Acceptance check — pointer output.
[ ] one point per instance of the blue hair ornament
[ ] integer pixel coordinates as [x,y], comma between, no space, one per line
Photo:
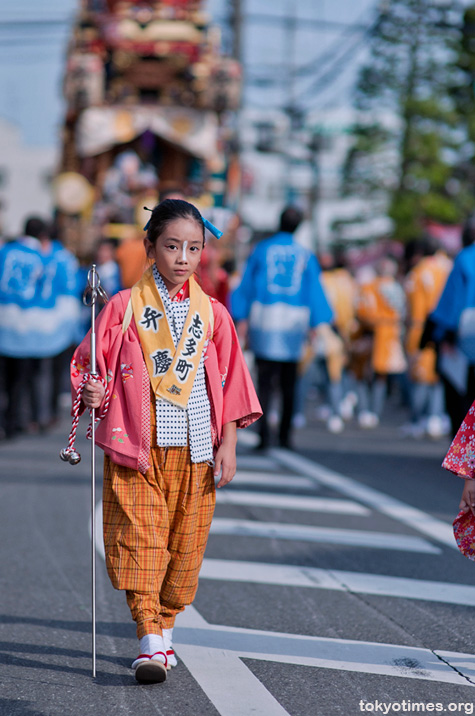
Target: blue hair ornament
[145,228]
[212,228]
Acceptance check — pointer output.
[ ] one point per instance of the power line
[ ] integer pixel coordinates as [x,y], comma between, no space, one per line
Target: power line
[38,22]
[323,81]
[307,22]
[4,41]
[321,60]
[319,64]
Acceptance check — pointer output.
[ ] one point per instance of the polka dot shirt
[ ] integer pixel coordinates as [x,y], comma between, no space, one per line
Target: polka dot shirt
[177,426]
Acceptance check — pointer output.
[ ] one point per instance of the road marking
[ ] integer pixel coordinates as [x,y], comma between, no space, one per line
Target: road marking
[227,682]
[213,656]
[248,438]
[329,535]
[326,653]
[244,477]
[338,580]
[258,462]
[411,516]
[290,502]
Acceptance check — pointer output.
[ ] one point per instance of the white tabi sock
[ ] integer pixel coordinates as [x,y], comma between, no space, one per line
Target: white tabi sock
[150,644]
[168,640]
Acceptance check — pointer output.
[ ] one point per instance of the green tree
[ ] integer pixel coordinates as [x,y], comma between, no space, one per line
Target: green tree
[463,91]
[408,155]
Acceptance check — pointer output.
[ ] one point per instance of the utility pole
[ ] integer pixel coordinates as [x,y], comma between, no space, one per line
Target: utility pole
[236,29]
[236,23]
[289,101]
[315,147]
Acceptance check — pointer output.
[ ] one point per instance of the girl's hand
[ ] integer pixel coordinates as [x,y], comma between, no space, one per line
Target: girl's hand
[225,461]
[93,394]
[468,497]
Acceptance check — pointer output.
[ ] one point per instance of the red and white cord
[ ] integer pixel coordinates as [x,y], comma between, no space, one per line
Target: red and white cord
[77,404]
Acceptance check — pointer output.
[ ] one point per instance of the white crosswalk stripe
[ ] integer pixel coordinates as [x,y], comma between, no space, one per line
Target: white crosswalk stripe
[259,462]
[256,479]
[289,502]
[338,580]
[343,654]
[414,518]
[246,477]
[329,535]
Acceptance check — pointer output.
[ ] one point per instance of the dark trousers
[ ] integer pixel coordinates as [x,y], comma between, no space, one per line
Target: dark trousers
[21,393]
[281,377]
[457,405]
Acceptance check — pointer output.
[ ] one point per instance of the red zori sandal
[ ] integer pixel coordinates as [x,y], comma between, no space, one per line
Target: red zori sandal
[151,669]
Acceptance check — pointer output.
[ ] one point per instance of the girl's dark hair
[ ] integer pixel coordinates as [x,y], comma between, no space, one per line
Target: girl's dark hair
[169,210]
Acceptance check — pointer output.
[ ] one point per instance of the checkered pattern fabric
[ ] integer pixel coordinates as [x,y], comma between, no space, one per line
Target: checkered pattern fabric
[156,527]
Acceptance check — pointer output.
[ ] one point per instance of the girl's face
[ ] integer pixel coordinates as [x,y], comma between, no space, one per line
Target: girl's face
[177,252]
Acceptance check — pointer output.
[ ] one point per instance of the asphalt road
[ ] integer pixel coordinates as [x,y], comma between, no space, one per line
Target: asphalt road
[331,586]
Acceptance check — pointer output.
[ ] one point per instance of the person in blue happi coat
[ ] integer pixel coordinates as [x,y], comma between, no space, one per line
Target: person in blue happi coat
[278,302]
[39,310]
[452,327]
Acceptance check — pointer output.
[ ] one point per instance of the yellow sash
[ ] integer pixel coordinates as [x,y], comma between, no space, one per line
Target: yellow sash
[172,370]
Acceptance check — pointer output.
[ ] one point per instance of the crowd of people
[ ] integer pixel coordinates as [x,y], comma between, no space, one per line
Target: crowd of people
[312,326]
[346,335]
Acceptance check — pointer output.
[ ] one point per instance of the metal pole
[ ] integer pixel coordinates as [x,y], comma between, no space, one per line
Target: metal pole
[93,283]
[91,294]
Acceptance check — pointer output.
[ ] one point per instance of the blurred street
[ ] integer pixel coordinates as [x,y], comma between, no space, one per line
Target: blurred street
[331,583]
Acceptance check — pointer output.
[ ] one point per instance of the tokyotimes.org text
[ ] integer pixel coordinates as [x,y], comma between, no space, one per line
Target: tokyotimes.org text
[413,707]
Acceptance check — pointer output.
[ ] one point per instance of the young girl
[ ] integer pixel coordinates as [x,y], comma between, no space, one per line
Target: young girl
[178,389]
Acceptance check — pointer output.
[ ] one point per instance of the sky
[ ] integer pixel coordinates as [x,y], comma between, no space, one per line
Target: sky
[324,47]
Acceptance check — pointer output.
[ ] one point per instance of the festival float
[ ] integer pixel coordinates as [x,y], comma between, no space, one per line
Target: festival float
[149,106]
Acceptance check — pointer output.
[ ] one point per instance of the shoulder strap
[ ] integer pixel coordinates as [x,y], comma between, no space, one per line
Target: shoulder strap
[211,320]
[127,316]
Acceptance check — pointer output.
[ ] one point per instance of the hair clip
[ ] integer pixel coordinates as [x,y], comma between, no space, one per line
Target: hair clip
[145,228]
[212,228]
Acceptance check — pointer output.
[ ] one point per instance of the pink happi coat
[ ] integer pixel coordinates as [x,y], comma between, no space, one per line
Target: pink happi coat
[124,433]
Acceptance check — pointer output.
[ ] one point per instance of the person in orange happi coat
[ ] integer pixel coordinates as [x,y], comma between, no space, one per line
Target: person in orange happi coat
[381,308]
[340,289]
[424,285]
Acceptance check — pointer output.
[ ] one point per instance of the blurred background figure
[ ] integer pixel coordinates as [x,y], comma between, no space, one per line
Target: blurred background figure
[124,183]
[107,266]
[452,327]
[424,285]
[109,274]
[279,300]
[381,310]
[212,277]
[340,289]
[38,325]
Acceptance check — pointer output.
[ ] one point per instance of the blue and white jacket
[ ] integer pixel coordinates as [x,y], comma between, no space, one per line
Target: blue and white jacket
[459,292]
[39,306]
[281,296]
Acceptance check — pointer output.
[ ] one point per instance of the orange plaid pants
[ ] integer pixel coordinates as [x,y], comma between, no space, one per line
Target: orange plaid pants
[155,531]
